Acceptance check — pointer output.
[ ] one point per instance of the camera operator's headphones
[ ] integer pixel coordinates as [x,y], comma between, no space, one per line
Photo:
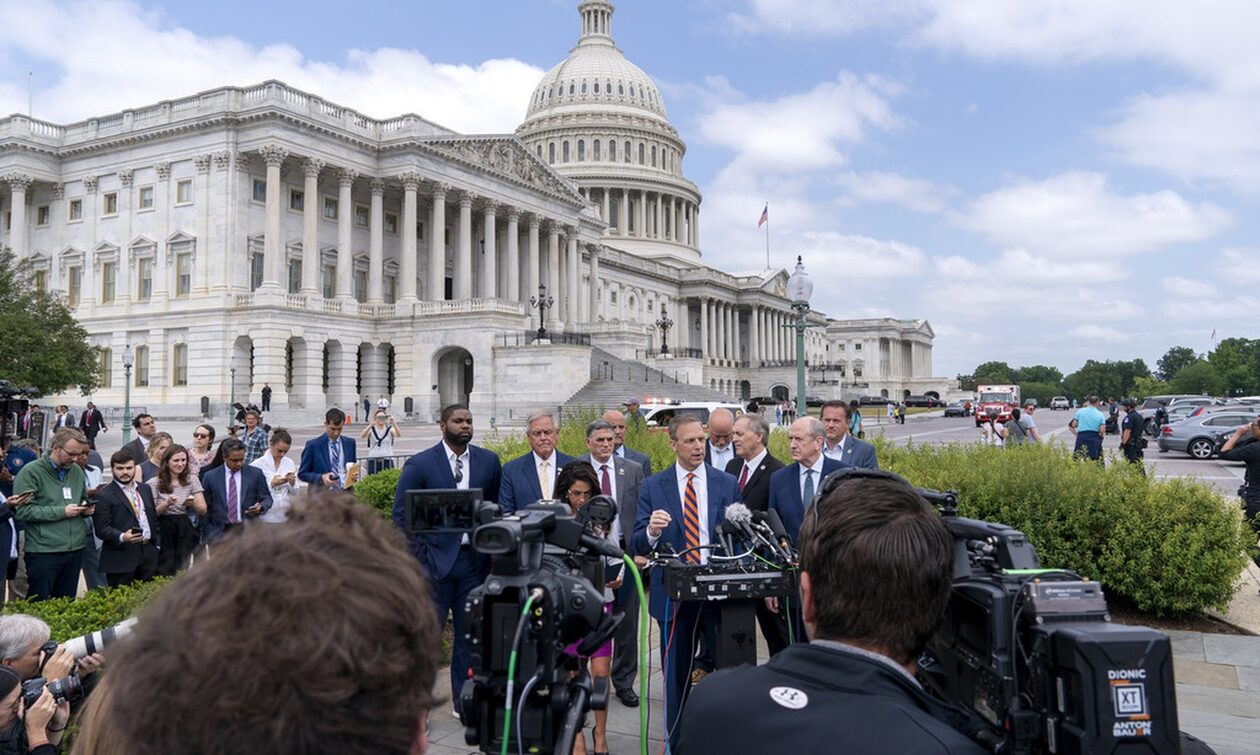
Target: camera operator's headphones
[840,476]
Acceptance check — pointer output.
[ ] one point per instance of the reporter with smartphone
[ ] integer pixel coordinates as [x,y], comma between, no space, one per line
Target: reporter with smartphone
[55,530]
[126,521]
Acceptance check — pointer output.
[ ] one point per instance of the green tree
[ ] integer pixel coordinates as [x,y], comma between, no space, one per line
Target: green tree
[1039,373]
[43,345]
[1043,392]
[1174,360]
[1237,361]
[1106,379]
[994,372]
[1200,377]
[966,383]
[1145,387]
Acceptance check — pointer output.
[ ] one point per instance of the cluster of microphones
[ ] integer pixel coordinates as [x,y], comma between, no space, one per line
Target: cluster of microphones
[755,531]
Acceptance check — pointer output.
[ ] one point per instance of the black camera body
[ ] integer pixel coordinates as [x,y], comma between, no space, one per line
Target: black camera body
[1033,653]
[65,689]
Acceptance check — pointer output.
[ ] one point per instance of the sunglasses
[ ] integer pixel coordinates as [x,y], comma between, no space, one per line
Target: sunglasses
[201,435]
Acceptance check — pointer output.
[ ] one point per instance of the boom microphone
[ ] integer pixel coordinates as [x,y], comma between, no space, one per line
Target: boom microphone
[769,520]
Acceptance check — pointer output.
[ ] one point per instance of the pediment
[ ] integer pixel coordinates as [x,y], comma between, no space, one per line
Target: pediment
[506,157]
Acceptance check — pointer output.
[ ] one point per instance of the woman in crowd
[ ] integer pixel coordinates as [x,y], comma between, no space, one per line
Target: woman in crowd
[38,730]
[177,496]
[202,450]
[576,484]
[281,474]
[157,447]
[380,439]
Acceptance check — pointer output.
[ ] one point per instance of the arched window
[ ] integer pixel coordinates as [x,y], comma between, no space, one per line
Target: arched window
[641,152]
[653,155]
[571,88]
[564,150]
[612,150]
[595,144]
[581,150]
[608,86]
[621,89]
[597,87]
[583,86]
[627,150]
[551,153]
[632,90]
[539,151]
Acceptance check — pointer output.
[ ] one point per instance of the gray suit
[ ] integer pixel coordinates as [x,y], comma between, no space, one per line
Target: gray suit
[629,478]
[643,459]
[856,453]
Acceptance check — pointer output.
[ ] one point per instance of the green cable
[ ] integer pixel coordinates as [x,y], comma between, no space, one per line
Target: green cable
[644,671]
[507,711]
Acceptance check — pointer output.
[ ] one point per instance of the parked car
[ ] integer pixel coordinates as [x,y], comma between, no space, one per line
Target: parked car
[1201,436]
[659,415]
[928,401]
[813,401]
[873,400]
[955,409]
[1060,402]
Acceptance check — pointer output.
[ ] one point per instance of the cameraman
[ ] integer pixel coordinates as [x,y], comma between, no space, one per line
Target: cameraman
[1244,446]
[22,640]
[38,730]
[875,580]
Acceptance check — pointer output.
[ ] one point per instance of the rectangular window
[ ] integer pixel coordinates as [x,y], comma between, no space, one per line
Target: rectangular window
[109,203]
[145,199]
[857,347]
[144,279]
[329,281]
[260,190]
[109,282]
[142,367]
[105,361]
[74,284]
[360,285]
[255,272]
[391,289]
[41,280]
[74,211]
[295,276]
[183,191]
[179,365]
[183,274]
[297,199]
[361,216]
[42,215]
[420,229]
[330,208]
[391,223]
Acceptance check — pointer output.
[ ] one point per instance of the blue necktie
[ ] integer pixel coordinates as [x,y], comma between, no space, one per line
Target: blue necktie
[808,494]
[335,449]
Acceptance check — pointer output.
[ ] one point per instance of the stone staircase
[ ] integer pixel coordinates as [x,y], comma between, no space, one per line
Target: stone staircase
[613,380]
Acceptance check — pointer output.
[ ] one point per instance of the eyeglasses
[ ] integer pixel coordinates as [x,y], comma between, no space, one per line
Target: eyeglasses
[578,494]
[201,435]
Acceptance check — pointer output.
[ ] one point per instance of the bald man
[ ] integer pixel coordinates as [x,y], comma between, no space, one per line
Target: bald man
[720,451]
[618,422]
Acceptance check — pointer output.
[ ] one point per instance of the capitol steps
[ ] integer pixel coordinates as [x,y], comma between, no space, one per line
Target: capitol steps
[613,380]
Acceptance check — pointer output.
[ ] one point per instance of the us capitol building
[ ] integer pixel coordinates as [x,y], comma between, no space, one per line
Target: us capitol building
[263,234]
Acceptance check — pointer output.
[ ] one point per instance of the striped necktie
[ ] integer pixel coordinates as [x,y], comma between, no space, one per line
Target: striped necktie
[691,521]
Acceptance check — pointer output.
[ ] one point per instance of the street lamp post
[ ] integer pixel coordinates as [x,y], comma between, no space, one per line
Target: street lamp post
[664,323]
[232,391]
[799,289]
[128,360]
[542,303]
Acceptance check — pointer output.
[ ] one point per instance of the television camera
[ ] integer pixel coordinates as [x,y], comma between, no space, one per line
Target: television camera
[13,402]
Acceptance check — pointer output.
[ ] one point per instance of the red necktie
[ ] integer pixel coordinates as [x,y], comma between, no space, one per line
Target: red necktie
[605,485]
[691,521]
[743,478]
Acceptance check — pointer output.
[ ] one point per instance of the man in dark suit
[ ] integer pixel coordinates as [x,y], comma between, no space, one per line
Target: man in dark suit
[63,418]
[621,480]
[792,491]
[145,427]
[618,422]
[452,566]
[531,477]
[324,459]
[126,521]
[679,511]
[92,422]
[752,468]
[266,397]
[719,452]
[234,493]
[840,443]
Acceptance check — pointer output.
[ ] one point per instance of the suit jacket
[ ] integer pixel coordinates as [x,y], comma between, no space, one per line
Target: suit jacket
[756,492]
[431,470]
[858,453]
[708,453]
[113,517]
[643,459]
[660,492]
[136,449]
[785,494]
[63,420]
[7,533]
[315,464]
[628,483]
[254,489]
[519,485]
[91,421]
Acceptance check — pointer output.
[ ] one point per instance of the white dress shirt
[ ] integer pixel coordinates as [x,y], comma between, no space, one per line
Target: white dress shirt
[132,494]
[817,467]
[701,485]
[718,457]
[835,452]
[751,466]
[550,492]
[461,482]
[280,494]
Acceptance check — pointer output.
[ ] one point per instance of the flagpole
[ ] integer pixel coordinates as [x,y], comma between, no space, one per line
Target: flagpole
[767,235]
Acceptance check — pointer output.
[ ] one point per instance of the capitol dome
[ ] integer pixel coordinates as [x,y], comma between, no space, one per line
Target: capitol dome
[600,121]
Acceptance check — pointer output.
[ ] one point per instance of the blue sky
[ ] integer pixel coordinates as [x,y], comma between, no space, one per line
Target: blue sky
[1045,182]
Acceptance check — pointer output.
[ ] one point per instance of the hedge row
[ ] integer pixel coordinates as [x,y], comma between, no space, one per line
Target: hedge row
[69,618]
[1168,546]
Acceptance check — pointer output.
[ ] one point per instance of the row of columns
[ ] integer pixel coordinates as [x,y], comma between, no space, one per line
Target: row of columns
[770,335]
[657,215]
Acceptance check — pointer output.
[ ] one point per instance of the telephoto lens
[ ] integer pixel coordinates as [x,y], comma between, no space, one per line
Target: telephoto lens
[95,642]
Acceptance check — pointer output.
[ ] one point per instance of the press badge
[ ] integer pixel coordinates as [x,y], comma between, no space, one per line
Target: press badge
[66,493]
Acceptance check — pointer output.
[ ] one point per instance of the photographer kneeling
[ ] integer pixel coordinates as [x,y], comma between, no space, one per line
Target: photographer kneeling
[36,730]
[875,580]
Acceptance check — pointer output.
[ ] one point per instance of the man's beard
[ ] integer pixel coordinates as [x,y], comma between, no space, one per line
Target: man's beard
[457,439]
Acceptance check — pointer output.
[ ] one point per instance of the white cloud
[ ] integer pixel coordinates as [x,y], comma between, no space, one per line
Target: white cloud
[1188,288]
[821,16]
[1098,333]
[882,186]
[114,55]
[1075,216]
[1239,265]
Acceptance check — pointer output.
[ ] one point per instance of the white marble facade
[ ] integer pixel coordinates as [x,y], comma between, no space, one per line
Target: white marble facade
[266,231]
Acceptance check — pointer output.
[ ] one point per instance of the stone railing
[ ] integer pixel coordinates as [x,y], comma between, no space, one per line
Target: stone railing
[469,306]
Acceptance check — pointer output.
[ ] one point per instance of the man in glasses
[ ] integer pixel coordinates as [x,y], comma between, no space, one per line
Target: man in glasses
[449,561]
[875,580]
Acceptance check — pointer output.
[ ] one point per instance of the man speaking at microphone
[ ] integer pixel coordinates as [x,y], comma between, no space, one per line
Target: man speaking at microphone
[875,563]
[678,511]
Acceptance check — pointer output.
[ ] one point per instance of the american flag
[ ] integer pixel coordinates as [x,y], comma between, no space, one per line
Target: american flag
[765,216]
[1213,334]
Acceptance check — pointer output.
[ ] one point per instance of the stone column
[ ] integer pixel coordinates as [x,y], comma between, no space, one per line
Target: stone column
[553,273]
[754,334]
[88,292]
[705,350]
[312,209]
[437,243]
[719,338]
[201,265]
[490,265]
[273,245]
[604,217]
[695,226]
[125,282]
[376,244]
[571,292]
[656,212]
[345,239]
[532,273]
[463,252]
[308,369]
[736,351]
[408,262]
[682,330]
[513,262]
[375,376]
[57,213]
[161,208]
[641,214]
[623,213]
[592,299]
[18,184]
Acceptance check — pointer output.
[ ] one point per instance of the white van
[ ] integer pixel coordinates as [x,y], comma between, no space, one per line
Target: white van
[659,415]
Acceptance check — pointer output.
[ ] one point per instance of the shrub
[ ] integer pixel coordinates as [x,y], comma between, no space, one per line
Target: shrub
[377,490]
[69,618]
